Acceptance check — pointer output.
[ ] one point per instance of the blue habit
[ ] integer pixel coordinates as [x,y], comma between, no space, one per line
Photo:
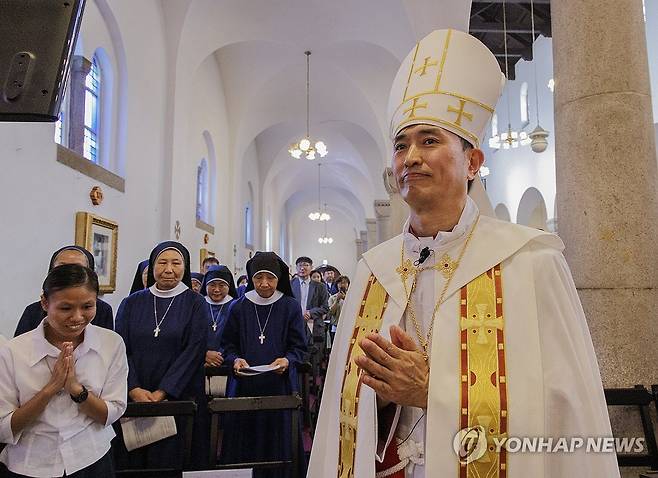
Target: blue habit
[220,315]
[263,436]
[172,362]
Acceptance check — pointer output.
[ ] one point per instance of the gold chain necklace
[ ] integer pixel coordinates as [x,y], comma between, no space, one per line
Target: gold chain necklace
[448,267]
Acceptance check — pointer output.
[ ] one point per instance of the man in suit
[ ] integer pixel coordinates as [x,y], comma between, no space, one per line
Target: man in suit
[312,297]
[330,274]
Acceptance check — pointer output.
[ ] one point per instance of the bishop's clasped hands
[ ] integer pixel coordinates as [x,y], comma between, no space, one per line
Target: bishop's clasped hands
[396,370]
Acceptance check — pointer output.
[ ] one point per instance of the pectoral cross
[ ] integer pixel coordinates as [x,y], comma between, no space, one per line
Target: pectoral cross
[156,331]
[460,112]
[214,327]
[262,338]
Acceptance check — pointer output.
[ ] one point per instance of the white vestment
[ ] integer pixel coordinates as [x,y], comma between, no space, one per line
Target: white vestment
[553,382]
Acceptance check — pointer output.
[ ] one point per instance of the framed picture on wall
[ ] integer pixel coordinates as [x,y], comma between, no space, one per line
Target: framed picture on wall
[100,236]
[203,254]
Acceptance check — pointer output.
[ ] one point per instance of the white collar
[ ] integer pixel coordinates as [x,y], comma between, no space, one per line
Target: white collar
[443,238]
[42,348]
[226,299]
[307,280]
[253,296]
[179,289]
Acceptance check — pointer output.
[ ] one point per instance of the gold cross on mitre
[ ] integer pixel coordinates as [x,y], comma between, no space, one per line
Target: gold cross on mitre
[422,70]
[460,112]
[414,106]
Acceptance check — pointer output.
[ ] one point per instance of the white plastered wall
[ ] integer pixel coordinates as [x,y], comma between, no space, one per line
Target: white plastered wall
[40,196]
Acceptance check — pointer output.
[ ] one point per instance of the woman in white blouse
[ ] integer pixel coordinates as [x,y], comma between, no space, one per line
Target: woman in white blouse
[62,385]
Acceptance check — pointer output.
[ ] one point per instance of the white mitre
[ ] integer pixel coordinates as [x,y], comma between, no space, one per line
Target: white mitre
[452,80]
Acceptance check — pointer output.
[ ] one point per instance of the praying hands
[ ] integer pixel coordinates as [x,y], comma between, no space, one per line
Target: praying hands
[395,370]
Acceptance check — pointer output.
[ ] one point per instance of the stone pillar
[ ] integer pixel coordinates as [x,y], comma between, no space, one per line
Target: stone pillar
[80,68]
[359,248]
[371,225]
[383,215]
[606,180]
[364,237]
[399,208]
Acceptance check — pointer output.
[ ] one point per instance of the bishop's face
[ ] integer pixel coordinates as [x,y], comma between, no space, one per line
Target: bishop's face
[431,166]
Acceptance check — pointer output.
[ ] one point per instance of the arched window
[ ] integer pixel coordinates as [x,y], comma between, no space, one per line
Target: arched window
[62,123]
[202,191]
[248,230]
[268,236]
[249,219]
[524,105]
[92,111]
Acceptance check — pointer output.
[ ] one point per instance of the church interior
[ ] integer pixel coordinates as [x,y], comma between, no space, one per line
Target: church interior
[184,120]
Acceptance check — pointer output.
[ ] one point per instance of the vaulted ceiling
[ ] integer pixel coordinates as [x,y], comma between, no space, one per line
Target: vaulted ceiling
[356,46]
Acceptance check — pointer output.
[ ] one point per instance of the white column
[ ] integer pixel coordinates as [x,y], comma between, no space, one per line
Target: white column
[371,225]
[383,215]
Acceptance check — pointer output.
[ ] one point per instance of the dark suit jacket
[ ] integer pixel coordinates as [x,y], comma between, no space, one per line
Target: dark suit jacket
[316,303]
[34,314]
[333,289]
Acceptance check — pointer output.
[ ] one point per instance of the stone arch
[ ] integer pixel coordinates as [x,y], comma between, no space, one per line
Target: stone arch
[502,212]
[212,177]
[532,209]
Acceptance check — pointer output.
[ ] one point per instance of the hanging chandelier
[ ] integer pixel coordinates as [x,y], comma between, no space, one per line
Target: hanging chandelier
[510,138]
[320,214]
[538,136]
[305,146]
[326,239]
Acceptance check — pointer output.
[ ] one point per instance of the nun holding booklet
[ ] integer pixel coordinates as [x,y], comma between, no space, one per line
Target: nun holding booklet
[264,328]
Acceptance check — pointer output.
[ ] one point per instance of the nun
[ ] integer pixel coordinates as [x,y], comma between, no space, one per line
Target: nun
[219,290]
[141,276]
[164,328]
[265,327]
[197,281]
[242,285]
[34,313]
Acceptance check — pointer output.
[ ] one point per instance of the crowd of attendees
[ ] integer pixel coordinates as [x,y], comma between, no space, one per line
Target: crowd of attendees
[67,376]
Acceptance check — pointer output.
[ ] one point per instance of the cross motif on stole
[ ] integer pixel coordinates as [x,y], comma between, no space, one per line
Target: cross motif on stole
[483,391]
[422,70]
[460,112]
[369,320]
[414,106]
[483,322]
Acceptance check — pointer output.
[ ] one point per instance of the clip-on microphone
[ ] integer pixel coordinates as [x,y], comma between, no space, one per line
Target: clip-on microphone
[425,252]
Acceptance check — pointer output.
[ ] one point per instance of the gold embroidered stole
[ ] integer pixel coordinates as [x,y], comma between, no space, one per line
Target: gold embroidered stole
[483,377]
[369,320]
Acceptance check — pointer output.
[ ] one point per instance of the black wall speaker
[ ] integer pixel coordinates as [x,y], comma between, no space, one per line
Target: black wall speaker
[37,40]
